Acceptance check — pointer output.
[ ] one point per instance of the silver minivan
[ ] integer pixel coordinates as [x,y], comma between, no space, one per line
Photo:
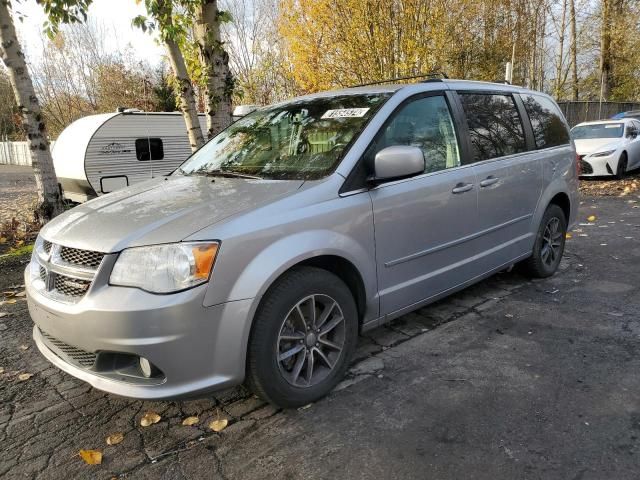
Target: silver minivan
[263,257]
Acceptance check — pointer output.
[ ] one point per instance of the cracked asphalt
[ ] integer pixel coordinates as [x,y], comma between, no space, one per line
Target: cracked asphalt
[510,378]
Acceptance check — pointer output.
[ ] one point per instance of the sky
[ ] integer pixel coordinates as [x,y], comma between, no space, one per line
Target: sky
[113,14]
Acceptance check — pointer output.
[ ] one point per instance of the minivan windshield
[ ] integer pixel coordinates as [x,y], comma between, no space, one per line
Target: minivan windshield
[598,130]
[302,139]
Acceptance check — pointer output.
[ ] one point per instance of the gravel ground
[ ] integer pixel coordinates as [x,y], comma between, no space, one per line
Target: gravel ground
[510,378]
[17,186]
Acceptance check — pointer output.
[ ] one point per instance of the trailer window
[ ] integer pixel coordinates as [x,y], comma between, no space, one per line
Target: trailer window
[149,149]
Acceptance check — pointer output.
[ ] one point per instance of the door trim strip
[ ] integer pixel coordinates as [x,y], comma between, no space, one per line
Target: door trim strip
[453,243]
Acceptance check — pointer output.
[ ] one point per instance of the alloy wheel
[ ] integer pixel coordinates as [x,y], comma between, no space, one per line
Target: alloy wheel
[311,340]
[551,242]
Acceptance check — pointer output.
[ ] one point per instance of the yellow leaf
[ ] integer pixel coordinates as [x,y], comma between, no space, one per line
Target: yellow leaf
[190,421]
[25,376]
[591,218]
[10,302]
[219,425]
[1,370]
[92,457]
[115,438]
[3,240]
[149,418]
[568,236]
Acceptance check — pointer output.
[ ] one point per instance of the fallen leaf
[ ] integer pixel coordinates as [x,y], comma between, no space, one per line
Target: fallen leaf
[24,347]
[3,314]
[568,236]
[9,302]
[149,418]
[187,422]
[25,376]
[304,407]
[92,457]
[1,370]
[3,240]
[21,294]
[219,425]
[591,218]
[115,438]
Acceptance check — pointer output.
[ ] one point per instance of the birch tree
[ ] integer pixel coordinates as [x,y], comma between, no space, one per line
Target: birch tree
[58,11]
[171,31]
[214,62]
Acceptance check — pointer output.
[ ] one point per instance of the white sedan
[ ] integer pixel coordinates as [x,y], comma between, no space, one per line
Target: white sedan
[607,147]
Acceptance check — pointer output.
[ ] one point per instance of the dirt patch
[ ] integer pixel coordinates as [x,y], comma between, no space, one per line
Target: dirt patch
[610,187]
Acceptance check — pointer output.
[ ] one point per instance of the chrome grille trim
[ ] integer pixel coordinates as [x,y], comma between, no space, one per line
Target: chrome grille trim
[77,355]
[67,272]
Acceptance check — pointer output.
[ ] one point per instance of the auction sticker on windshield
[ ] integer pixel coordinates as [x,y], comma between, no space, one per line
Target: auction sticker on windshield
[345,113]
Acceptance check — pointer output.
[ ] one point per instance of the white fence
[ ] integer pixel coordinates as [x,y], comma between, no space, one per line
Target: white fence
[15,153]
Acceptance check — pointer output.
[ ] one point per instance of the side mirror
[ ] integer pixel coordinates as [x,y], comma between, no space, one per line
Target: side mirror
[632,132]
[397,162]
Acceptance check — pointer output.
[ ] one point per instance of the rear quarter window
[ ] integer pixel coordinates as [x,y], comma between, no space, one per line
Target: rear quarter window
[549,129]
[495,127]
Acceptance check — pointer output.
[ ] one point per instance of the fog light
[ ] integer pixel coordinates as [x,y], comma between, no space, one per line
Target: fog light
[145,366]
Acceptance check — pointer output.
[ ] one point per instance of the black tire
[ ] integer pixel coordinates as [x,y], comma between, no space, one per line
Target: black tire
[274,379]
[544,260]
[623,162]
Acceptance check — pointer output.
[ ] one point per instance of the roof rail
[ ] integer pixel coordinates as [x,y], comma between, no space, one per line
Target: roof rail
[506,82]
[434,76]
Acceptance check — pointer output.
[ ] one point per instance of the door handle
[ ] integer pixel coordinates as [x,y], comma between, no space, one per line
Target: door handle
[462,187]
[489,181]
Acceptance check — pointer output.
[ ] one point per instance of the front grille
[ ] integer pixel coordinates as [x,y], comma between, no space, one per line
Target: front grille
[585,167]
[70,287]
[82,357]
[84,258]
[67,272]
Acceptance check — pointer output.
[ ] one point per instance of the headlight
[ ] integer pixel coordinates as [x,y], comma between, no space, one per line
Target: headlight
[602,154]
[165,268]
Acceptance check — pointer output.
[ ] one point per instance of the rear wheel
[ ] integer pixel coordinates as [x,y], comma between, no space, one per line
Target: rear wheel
[549,244]
[621,171]
[303,337]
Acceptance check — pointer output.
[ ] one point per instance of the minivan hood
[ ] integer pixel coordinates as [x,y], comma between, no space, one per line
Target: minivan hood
[591,145]
[161,210]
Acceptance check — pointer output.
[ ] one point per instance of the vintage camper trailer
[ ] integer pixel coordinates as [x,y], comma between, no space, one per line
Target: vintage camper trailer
[98,154]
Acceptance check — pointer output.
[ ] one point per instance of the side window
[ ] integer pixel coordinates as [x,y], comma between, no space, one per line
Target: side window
[425,123]
[495,127]
[549,130]
[149,149]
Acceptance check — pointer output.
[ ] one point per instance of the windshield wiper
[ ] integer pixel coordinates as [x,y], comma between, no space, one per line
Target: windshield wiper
[226,174]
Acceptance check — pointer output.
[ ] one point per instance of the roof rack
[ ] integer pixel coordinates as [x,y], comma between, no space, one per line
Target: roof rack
[434,76]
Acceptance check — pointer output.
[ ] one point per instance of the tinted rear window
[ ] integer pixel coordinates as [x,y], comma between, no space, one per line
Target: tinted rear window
[495,128]
[549,130]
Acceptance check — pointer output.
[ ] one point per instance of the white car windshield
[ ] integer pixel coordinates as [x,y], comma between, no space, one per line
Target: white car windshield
[303,139]
[598,130]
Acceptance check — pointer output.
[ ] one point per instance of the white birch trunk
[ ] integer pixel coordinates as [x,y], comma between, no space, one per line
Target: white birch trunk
[49,198]
[215,62]
[186,94]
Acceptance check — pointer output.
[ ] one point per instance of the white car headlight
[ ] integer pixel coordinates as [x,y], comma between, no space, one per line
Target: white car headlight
[602,154]
[165,268]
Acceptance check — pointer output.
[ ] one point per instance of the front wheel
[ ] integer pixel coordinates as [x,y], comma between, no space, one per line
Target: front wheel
[303,337]
[621,171]
[549,245]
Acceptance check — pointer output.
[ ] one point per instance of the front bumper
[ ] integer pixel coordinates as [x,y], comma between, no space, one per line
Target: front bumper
[599,166]
[196,348]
